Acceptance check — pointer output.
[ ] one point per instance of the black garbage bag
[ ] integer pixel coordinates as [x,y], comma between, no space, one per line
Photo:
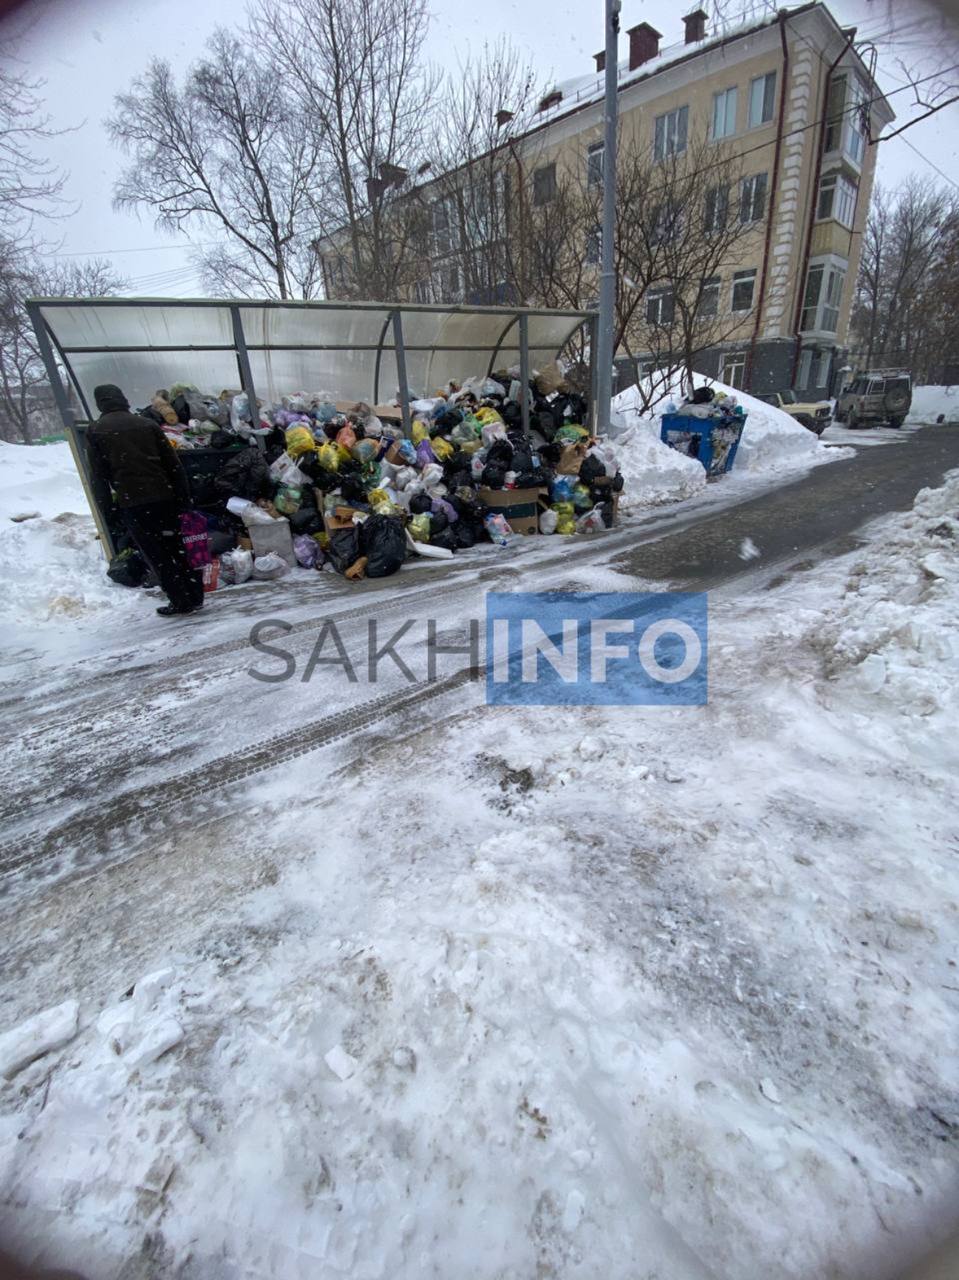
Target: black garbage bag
[494,475]
[384,544]
[522,459]
[181,408]
[274,444]
[221,541]
[322,479]
[550,454]
[500,451]
[617,482]
[128,569]
[353,490]
[223,440]
[444,422]
[591,470]
[245,475]
[702,395]
[606,511]
[533,478]
[544,422]
[438,522]
[420,503]
[464,532]
[344,548]
[512,414]
[445,538]
[576,408]
[306,520]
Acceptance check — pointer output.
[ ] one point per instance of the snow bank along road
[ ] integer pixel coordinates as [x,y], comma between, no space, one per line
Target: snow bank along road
[455,991]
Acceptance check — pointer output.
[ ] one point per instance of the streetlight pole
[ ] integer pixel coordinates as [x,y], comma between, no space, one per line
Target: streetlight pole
[605,354]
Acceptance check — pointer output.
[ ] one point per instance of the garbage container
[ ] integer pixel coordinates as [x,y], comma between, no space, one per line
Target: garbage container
[711,441]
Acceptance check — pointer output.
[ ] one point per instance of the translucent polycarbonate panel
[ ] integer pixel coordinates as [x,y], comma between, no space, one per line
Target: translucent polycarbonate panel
[416,371]
[140,374]
[138,325]
[347,375]
[293,326]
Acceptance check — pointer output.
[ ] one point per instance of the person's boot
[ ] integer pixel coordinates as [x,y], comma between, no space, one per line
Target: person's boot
[173,611]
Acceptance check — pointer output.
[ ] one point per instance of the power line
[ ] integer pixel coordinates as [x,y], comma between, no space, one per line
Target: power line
[945,177]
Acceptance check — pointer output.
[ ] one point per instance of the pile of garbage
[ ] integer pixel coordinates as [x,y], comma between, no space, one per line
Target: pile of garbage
[313,482]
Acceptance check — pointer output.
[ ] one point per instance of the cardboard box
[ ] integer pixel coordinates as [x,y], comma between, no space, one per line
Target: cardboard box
[341,518]
[521,507]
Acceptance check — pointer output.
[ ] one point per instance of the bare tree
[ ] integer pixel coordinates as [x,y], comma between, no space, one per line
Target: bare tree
[360,70]
[228,153]
[26,403]
[29,185]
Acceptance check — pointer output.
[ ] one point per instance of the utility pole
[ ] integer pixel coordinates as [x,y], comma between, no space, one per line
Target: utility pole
[607,280]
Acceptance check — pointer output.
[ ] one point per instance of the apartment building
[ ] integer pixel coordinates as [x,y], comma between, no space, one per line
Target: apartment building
[791,103]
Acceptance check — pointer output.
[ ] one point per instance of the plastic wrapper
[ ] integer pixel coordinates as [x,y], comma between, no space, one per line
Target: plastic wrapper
[270,566]
[346,437]
[240,413]
[498,529]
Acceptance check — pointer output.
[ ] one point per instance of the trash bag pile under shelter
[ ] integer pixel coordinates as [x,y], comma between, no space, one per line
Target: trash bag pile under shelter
[314,483]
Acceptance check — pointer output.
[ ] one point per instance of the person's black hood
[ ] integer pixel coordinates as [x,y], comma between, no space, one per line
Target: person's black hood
[110,399]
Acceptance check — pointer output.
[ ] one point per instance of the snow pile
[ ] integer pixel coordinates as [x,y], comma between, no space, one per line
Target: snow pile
[51,564]
[929,402]
[896,634]
[41,479]
[772,441]
[652,471]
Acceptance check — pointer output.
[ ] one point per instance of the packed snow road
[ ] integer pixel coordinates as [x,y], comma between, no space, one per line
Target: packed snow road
[426,988]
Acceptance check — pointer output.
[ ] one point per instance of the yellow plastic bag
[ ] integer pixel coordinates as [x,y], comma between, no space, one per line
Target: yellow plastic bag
[299,440]
[330,456]
[441,448]
[486,416]
[420,431]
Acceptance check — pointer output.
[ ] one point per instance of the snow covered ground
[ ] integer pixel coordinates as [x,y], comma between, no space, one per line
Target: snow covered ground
[605,993]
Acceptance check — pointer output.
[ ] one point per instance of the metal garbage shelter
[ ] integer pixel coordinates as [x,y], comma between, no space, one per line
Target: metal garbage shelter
[357,350]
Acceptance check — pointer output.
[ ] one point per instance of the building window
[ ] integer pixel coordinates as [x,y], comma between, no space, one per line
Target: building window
[823,298]
[709,298]
[724,113]
[837,199]
[733,369]
[443,225]
[667,223]
[594,164]
[659,307]
[847,116]
[594,246]
[671,130]
[752,198]
[744,285]
[544,184]
[717,209]
[805,369]
[762,99]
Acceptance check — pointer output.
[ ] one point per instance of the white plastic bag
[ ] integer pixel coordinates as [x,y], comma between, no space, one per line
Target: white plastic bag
[236,566]
[270,566]
[591,522]
[285,470]
[548,521]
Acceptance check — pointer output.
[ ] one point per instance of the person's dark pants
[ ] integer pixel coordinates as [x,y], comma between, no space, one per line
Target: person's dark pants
[155,528]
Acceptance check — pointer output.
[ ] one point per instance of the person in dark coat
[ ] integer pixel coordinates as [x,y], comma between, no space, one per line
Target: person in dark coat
[151,490]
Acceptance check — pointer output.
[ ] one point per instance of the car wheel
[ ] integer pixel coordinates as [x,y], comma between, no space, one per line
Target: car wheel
[896,421]
[852,420]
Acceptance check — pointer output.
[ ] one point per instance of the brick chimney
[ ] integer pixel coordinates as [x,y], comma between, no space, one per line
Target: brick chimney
[695,26]
[643,44]
[600,60]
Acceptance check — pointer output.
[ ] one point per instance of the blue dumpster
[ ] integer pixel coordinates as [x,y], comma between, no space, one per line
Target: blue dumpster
[711,441]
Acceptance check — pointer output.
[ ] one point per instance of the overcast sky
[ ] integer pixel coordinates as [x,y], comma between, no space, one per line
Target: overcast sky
[88,50]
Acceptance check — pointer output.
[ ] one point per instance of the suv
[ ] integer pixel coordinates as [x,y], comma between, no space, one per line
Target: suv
[884,395]
[815,416]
